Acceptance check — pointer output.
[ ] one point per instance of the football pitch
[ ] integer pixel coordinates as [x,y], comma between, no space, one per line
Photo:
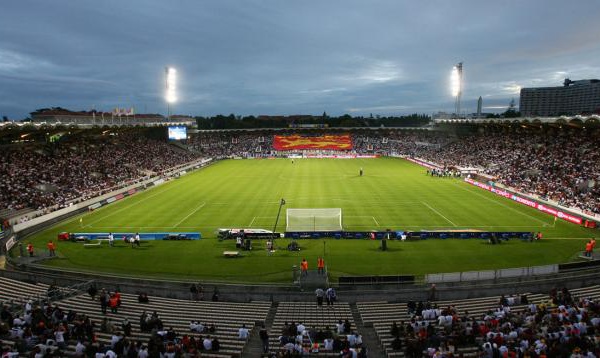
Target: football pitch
[392,194]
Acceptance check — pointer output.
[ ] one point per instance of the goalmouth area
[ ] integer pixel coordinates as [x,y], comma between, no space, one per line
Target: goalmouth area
[317,219]
[392,194]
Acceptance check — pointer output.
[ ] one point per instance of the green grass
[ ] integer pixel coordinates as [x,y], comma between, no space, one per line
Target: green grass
[393,194]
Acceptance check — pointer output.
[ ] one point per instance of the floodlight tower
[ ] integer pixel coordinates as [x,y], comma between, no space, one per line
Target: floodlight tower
[456,80]
[171,88]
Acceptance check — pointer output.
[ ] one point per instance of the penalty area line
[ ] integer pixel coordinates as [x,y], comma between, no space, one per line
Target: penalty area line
[190,214]
[376,222]
[440,214]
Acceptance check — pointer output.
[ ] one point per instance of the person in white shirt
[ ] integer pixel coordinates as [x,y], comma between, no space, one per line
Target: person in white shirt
[328,343]
[243,332]
[114,340]
[18,322]
[79,349]
[16,332]
[358,339]
[59,337]
[143,353]
[111,239]
[111,354]
[29,306]
[207,343]
[340,327]
[196,327]
[300,328]
[351,340]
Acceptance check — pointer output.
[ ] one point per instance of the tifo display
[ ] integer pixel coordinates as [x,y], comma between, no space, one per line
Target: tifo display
[324,142]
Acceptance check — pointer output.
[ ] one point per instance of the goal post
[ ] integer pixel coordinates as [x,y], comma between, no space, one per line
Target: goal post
[322,219]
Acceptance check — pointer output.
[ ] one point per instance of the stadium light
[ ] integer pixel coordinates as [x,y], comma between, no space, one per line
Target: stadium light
[171,84]
[456,84]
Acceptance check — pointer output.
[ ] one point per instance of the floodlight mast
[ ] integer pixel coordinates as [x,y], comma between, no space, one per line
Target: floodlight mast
[456,80]
[171,88]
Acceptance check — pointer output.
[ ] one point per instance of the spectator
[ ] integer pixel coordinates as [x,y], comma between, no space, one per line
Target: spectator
[243,332]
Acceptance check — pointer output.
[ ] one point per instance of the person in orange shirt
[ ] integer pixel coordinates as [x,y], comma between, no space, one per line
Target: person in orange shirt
[588,248]
[304,267]
[113,303]
[118,297]
[320,265]
[51,248]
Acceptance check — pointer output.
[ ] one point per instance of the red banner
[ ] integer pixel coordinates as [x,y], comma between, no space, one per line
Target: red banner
[328,142]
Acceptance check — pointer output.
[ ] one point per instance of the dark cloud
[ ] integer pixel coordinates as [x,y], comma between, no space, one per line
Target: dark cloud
[280,57]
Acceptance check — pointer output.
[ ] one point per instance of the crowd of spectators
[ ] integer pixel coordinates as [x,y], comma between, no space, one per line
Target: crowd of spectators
[49,331]
[561,326]
[298,340]
[39,177]
[232,144]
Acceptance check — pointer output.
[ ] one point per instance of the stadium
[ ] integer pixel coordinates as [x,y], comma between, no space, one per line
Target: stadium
[382,207]
[342,209]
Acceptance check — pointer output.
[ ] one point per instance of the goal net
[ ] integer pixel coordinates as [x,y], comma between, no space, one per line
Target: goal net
[314,219]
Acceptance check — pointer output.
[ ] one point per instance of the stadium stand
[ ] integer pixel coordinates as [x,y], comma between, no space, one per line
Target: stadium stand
[174,315]
[319,323]
[557,325]
[77,168]
[529,324]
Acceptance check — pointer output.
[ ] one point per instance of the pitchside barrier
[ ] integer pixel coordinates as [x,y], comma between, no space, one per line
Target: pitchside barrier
[410,235]
[470,276]
[143,236]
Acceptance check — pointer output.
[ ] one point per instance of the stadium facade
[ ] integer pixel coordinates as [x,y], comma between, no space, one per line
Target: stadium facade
[117,117]
[574,97]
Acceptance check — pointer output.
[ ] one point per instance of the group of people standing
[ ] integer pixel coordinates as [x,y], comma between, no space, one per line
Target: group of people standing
[329,295]
[320,266]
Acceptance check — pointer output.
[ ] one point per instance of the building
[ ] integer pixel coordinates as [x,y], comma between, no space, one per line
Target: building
[574,97]
[61,116]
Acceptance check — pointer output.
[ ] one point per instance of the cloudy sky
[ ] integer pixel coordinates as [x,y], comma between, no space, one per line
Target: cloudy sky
[289,57]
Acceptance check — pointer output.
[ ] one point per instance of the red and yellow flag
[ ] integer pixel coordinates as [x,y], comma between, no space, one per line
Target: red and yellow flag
[325,142]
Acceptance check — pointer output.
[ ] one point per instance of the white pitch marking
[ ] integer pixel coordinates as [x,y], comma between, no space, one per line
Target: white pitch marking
[502,204]
[190,214]
[440,214]
[376,222]
[252,222]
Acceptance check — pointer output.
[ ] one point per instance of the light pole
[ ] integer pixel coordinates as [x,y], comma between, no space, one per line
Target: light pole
[281,204]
